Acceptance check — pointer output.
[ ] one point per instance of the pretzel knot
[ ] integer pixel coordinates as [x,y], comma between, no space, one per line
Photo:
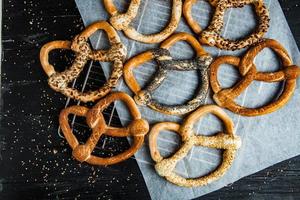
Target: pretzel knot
[137,129]
[59,81]
[212,34]
[225,97]
[166,63]
[123,21]
[227,141]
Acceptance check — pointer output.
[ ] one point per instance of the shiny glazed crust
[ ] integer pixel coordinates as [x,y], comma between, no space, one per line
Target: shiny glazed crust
[59,81]
[226,141]
[288,74]
[166,63]
[137,129]
[122,21]
[212,34]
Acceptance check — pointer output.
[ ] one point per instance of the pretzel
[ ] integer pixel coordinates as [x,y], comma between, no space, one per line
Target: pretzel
[212,34]
[227,141]
[166,63]
[225,97]
[123,21]
[137,129]
[59,80]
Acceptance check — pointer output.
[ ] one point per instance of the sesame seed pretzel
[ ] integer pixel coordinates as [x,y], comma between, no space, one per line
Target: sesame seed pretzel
[59,80]
[212,34]
[137,129]
[122,21]
[226,140]
[166,63]
[225,97]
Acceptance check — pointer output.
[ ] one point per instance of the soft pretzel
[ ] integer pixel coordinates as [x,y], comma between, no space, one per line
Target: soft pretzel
[165,63]
[212,34]
[122,21]
[225,97]
[137,129]
[59,81]
[226,140]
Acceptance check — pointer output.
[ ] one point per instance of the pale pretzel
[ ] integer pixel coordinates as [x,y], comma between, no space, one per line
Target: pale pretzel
[225,97]
[226,140]
[212,34]
[137,129]
[165,63]
[59,81]
[122,21]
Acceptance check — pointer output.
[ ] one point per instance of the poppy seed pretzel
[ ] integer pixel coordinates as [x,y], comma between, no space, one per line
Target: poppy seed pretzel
[166,63]
[59,81]
[226,140]
[122,21]
[137,129]
[288,73]
[212,34]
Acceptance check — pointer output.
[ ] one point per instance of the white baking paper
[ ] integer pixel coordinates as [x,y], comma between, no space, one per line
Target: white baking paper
[266,140]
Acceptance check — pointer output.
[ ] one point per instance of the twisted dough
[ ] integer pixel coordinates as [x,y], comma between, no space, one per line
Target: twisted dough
[59,81]
[225,97]
[165,64]
[212,34]
[122,21]
[227,141]
[137,129]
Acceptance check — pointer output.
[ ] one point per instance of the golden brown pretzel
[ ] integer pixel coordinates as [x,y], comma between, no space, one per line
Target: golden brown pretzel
[122,21]
[137,129]
[166,63]
[288,73]
[227,141]
[59,80]
[212,34]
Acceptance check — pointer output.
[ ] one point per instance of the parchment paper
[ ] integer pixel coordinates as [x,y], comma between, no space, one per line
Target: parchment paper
[266,140]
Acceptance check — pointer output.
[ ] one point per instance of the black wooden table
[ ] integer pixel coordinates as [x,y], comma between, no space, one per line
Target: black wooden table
[35,163]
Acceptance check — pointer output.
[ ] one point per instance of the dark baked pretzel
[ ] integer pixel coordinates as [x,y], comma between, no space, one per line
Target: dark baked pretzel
[227,141]
[288,74]
[137,129]
[59,81]
[165,63]
[212,34]
[122,21]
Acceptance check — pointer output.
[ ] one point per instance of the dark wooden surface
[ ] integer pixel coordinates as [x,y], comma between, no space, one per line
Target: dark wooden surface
[35,163]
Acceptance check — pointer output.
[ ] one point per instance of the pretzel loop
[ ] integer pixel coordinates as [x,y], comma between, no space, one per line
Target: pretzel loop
[122,21]
[222,96]
[227,141]
[137,129]
[288,73]
[212,34]
[166,63]
[59,81]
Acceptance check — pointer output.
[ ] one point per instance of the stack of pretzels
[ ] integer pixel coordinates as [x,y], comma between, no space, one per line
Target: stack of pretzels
[204,63]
